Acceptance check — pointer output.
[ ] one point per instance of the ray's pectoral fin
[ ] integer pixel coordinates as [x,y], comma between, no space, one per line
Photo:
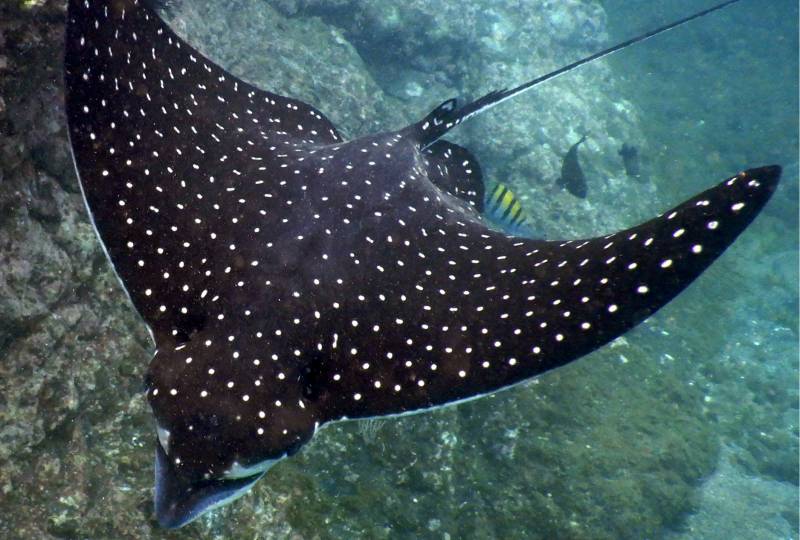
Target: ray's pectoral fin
[528,306]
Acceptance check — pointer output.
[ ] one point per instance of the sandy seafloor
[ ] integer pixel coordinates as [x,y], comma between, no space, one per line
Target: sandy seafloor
[686,428]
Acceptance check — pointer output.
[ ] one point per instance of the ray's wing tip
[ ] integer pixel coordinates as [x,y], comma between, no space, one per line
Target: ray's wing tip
[758,183]
[761,182]
[746,194]
[770,174]
[767,173]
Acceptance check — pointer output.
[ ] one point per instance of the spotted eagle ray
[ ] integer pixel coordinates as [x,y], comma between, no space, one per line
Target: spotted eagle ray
[290,278]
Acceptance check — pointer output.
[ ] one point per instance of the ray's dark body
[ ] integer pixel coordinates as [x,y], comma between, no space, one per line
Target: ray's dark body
[291,279]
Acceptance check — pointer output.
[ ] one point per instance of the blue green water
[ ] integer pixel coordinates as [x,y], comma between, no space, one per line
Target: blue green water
[686,428]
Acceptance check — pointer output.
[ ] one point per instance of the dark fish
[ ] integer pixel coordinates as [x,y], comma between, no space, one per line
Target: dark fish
[291,279]
[630,158]
[502,208]
[572,178]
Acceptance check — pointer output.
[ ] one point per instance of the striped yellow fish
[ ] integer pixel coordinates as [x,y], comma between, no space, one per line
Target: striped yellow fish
[502,208]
